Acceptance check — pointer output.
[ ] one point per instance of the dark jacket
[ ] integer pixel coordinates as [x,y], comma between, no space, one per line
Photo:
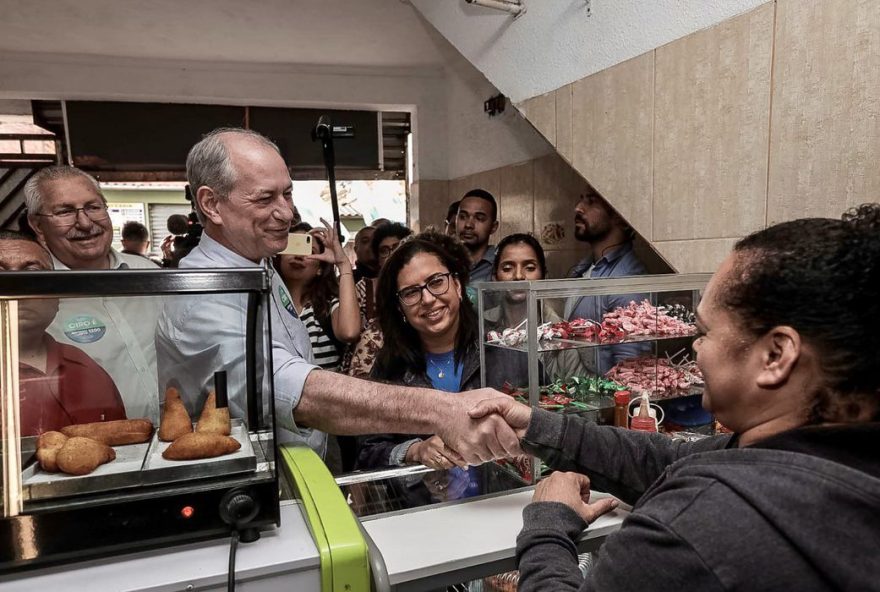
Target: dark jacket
[796,511]
[376,450]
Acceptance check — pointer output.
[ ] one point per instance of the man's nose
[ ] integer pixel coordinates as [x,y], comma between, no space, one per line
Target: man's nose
[82,220]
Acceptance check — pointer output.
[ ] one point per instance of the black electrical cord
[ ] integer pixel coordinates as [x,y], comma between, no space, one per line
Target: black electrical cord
[233,546]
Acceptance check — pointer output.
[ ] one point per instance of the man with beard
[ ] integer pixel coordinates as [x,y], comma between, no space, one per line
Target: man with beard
[477,221]
[611,255]
[58,384]
[69,214]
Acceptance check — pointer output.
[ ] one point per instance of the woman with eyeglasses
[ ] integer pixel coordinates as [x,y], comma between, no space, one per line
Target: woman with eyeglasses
[430,331]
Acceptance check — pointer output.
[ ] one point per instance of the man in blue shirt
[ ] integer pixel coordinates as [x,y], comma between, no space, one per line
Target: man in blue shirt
[475,224]
[611,255]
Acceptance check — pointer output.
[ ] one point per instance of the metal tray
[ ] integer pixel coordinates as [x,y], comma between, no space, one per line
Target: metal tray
[137,465]
[160,470]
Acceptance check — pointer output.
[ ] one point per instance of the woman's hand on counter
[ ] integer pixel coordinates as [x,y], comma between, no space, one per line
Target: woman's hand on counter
[434,454]
[573,490]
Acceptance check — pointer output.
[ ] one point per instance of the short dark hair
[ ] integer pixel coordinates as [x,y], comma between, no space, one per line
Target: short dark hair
[10,235]
[402,348]
[821,277]
[452,212]
[135,231]
[516,239]
[483,194]
[395,229]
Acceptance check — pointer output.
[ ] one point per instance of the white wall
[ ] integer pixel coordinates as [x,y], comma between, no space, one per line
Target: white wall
[419,90]
[555,42]
[478,142]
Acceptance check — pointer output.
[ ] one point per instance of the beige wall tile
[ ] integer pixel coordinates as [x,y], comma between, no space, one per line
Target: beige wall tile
[559,262]
[433,200]
[516,199]
[698,255]
[563,122]
[612,117]
[555,195]
[541,113]
[825,129]
[712,101]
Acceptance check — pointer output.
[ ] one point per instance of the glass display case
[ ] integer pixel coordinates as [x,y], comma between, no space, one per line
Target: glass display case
[570,345]
[109,446]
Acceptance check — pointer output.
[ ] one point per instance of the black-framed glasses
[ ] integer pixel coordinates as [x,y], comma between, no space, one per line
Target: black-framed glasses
[437,285]
[66,216]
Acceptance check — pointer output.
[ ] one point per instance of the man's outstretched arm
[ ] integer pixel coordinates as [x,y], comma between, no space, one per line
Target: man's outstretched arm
[340,404]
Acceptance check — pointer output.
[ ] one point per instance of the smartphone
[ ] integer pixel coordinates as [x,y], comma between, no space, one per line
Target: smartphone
[298,244]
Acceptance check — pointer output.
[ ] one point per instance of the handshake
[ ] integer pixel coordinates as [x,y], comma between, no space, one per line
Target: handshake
[479,426]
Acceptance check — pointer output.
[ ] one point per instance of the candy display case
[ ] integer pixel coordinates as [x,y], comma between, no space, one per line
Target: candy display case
[570,345]
[94,464]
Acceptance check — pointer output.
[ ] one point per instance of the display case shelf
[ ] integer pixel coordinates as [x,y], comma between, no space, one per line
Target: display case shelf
[535,338]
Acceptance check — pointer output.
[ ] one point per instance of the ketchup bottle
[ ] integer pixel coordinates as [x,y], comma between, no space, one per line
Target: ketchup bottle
[643,421]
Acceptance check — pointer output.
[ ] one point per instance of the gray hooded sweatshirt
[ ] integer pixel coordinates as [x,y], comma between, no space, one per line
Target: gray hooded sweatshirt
[799,511]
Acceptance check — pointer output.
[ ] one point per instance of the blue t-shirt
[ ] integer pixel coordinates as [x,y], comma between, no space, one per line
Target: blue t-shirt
[444,373]
[462,482]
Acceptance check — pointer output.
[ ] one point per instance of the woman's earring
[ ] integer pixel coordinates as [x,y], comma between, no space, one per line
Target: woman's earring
[403,316]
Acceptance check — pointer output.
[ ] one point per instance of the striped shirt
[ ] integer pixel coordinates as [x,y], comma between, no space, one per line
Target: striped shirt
[323,349]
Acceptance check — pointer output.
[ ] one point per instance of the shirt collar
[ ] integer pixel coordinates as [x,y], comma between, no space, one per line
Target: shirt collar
[222,254]
[116,261]
[489,255]
[612,255]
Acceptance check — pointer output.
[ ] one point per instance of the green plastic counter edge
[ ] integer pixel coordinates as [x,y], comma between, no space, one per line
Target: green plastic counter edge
[345,563]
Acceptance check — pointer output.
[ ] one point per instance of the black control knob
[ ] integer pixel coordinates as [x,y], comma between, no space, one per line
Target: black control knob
[238,507]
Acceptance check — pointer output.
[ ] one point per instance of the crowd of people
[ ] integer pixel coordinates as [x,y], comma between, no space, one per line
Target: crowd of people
[389,347]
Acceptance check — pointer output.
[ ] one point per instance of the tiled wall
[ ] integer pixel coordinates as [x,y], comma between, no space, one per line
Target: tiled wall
[769,116]
[537,196]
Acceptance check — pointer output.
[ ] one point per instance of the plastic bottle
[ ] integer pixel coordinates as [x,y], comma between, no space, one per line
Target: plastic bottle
[621,409]
[642,421]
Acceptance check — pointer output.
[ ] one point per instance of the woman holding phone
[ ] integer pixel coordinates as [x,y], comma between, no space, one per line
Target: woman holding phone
[326,305]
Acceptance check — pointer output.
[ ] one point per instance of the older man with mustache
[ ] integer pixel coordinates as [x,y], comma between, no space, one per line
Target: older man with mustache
[69,214]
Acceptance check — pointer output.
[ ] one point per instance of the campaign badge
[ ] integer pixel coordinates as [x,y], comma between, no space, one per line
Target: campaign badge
[285,301]
[84,329]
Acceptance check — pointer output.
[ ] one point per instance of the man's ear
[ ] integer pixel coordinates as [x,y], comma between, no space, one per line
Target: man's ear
[494,227]
[34,222]
[780,350]
[208,199]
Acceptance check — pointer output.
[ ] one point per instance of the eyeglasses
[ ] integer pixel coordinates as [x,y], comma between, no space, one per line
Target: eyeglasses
[67,216]
[437,285]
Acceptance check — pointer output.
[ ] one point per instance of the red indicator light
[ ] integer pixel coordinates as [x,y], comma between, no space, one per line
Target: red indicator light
[187,511]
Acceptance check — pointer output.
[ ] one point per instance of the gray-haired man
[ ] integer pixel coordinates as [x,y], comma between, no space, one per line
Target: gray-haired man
[242,190]
[69,214]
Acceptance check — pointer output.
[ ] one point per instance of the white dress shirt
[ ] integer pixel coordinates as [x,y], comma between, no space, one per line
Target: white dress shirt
[117,333]
[200,334]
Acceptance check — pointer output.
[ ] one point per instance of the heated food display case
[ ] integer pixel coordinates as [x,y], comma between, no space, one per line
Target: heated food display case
[571,345]
[95,464]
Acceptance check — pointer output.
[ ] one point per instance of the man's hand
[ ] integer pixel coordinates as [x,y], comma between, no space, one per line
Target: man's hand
[480,438]
[514,413]
[573,490]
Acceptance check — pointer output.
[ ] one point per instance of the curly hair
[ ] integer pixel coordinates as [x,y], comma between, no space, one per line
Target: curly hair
[821,277]
[402,349]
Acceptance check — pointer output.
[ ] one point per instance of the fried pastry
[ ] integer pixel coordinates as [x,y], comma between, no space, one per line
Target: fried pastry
[48,445]
[81,456]
[214,420]
[113,433]
[175,419]
[199,445]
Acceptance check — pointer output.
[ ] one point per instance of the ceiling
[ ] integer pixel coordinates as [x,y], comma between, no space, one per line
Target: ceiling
[365,33]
